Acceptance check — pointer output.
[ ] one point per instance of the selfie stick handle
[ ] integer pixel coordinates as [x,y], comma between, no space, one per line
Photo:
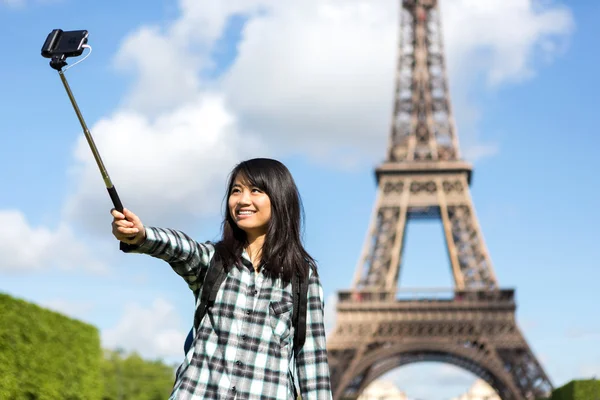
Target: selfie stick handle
[112,192]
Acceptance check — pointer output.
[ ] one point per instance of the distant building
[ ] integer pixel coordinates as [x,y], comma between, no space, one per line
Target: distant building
[382,390]
[480,390]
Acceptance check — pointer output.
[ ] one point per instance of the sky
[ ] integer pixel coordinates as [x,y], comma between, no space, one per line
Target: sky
[175,93]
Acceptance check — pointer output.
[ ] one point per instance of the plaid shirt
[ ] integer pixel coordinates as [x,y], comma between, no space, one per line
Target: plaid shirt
[244,346]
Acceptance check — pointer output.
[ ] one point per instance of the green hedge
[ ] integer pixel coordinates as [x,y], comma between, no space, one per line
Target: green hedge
[133,378]
[564,392]
[578,390]
[45,355]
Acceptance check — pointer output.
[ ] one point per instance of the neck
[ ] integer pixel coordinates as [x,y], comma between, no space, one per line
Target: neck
[254,248]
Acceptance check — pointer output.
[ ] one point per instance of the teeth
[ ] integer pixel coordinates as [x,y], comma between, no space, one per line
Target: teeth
[245,212]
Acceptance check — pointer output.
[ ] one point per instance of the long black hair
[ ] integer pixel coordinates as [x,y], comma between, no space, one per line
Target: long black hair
[282,253]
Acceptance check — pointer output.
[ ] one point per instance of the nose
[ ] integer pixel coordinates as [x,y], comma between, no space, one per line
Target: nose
[244,198]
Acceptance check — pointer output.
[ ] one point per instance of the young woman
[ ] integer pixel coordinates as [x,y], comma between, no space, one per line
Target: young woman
[244,346]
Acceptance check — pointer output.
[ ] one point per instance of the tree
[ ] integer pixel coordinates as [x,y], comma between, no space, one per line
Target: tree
[133,378]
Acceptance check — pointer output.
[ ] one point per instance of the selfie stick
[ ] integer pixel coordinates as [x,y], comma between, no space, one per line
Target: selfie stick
[57,63]
[57,51]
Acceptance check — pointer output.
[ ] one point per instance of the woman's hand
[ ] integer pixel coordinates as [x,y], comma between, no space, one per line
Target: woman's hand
[127,227]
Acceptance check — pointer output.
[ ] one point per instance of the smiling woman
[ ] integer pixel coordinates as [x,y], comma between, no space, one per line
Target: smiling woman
[250,207]
[243,345]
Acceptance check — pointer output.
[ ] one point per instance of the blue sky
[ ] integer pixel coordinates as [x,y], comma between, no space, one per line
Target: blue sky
[176,93]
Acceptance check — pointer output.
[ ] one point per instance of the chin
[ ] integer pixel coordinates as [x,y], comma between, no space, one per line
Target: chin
[245,226]
[251,227]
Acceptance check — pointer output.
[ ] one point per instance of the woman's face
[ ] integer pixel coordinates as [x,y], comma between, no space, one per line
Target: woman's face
[249,207]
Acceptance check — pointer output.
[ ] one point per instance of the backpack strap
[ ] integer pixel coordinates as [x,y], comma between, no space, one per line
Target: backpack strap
[300,301]
[214,277]
[300,292]
[212,281]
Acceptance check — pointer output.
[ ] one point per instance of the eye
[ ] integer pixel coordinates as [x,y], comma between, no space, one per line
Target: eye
[235,190]
[256,190]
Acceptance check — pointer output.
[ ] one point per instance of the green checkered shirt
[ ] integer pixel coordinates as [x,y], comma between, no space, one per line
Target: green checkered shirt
[243,348]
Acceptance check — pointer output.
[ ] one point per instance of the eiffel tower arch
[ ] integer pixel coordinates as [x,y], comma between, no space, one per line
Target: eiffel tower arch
[424,176]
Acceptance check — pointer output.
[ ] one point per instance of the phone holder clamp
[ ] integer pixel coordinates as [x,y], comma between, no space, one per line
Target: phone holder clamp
[57,62]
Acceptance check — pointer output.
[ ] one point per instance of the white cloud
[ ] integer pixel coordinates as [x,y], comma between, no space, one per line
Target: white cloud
[318,75]
[162,167]
[148,55]
[311,77]
[501,37]
[149,331]
[503,42]
[27,248]
[167,60]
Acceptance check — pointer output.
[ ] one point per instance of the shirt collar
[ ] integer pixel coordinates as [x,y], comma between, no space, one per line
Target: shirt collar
[246,261]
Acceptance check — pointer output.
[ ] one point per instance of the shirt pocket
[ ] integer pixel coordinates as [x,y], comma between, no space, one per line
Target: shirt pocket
[280,318]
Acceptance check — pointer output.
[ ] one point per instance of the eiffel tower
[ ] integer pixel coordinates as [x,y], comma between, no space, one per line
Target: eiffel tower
[424,176]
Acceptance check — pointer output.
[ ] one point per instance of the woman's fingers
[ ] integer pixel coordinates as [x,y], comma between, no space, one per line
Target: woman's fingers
[127,227]
[128,231]
[124,223]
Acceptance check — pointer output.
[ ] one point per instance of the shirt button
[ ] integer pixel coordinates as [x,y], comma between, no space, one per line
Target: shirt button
[256,292]
[233,389]
[244,337]
[248,312]
[238,362]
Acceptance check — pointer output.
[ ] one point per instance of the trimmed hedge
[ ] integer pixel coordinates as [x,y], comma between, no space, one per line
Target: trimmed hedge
[578,390]
[564,392]
[45,355]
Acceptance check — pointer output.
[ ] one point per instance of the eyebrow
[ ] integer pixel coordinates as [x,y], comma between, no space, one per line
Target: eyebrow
[241,183]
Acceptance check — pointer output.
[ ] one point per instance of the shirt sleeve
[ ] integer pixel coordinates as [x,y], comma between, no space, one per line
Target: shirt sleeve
[312,364]
[188,258]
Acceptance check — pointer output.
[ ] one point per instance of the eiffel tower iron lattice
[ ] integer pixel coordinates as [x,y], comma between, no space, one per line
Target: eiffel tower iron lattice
[424,176]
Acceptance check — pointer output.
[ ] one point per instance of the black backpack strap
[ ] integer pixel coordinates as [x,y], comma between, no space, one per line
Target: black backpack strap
[300,298]
[212,283]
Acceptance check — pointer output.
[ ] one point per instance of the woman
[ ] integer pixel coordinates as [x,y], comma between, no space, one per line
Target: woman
[244,348]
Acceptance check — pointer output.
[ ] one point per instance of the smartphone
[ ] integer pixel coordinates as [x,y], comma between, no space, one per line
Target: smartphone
[64,43]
